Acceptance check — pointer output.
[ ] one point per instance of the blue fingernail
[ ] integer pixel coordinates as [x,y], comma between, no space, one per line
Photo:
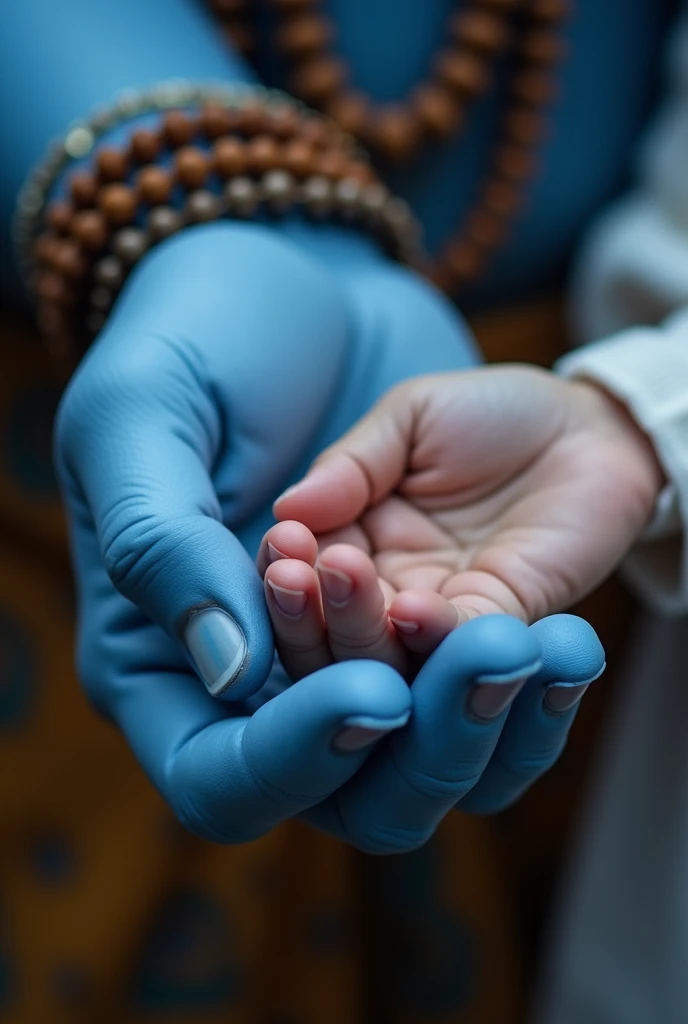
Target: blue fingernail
[362,731]
[563,698]
[217,646]
[493,694]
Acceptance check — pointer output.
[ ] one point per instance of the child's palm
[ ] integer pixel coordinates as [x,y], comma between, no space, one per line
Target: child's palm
[499,489]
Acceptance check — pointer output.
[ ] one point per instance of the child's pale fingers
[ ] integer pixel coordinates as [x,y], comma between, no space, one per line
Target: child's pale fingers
[388,591]
[422,619]
[480,592]
[287,540]
[353,534]
[355,611]
[292,593]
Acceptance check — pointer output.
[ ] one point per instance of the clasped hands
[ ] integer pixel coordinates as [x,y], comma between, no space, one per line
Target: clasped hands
[440,493]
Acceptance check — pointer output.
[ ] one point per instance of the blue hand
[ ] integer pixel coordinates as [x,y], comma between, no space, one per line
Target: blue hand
[447,756]
[533,736]
[233,357]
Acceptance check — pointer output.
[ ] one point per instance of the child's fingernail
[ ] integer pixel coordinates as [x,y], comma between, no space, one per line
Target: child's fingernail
[358,733]
[405,625]
[274,554]
[291,603]
[562,697]
[338,586]
[218,647]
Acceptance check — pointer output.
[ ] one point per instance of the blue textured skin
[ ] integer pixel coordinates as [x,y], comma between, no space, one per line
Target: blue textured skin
[234,355]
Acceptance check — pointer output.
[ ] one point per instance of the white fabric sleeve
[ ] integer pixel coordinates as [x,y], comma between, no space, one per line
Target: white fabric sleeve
[630,289]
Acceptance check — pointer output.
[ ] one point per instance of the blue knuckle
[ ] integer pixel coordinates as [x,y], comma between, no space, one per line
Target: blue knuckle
[209,825]
[384,840]
[278,800]
[436,788]
[451,783]
[130,540]
[137,545]
[526,768]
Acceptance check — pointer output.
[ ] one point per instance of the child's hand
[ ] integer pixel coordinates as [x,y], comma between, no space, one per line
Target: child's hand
[500,489]
[334,606]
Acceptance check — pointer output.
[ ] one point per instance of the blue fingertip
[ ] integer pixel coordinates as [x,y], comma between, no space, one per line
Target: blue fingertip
[569,683]
[514,676]
[361,731]
[370,722]
[571,650]
[495,646]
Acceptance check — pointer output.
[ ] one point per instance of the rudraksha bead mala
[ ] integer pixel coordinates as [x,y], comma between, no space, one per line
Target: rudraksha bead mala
[221,151]
[197,166]
[479,35]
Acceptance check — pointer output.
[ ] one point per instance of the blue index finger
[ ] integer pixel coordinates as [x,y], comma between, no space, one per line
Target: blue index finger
[398,798]
[533,737]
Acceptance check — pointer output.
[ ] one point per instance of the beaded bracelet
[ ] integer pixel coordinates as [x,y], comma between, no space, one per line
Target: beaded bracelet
[82,137]
[344,200]
[267,154]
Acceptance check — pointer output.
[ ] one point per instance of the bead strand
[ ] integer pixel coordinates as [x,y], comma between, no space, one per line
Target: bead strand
[515,158]
[478,35]
[82,137]
[462,71]
[271,160]
[369,207]
[236,25]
